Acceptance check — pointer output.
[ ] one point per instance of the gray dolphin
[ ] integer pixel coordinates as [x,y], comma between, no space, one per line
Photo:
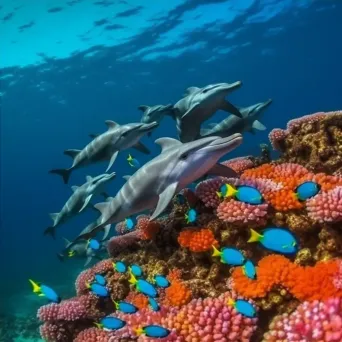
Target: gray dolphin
[199,104]
[249,122]
[155,113]
[155,183]
[107,145]
[79,200]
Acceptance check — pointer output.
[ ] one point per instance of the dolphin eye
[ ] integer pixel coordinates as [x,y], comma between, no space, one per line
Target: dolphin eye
[184,156]
[124,134]
[205,90]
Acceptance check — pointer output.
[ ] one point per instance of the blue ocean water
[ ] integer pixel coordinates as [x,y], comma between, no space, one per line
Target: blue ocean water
[67,66]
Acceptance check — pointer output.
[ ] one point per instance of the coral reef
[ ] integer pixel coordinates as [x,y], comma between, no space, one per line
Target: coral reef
[297,298]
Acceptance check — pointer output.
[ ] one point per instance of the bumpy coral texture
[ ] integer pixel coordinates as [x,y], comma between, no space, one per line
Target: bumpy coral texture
[239,164]
[197,240]
[304,283]
[312,321]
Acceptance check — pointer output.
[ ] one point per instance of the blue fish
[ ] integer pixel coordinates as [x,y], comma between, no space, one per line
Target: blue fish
[191,216]
[143,286]
[161,281]
[307,190]
[125,307]
[111,323]
[249,269]
[278,240]
[245,193]
[136,270]
[180,199]
[133,162]
[230,256]
[243,307]
[120,267]
[94,244]
[101,280]
[98,290]
[129,223]
[153,331]
[45,291]
[153,303]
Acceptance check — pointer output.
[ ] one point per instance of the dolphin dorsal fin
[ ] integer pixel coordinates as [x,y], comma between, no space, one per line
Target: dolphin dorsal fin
[127,177]
[74,188]
[168,143]
[89,178]
[111,124]
[190,90]
[143,108]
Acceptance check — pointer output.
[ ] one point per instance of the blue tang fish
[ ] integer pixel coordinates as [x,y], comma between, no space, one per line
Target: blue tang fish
[45,291]
[120,267]
[125,307]
[161,281]
[100,279]
[133,162]
[243,307]
[229,255]
[153,331]
[153,303]
[129,223]
[136,270]
[249,269]
[98,290]
[244,193]
[94,244]
[191,216]
[111,323]
[143,286]
[307,190]
[276,239]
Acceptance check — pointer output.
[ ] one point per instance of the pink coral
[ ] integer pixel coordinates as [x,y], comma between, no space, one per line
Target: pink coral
[326,206]
[338,277]
[51,332]
[239,164]
[234,211]
[119,243]
[96,335]
[315,322]
[275,136]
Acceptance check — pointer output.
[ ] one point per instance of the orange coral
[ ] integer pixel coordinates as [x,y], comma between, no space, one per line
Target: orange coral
[177,294]
[305,283]
[174,274]
[138,299]
[197,240]
[184,238]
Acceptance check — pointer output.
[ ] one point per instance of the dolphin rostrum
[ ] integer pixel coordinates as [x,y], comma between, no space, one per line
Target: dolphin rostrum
[155,183]
[107,145]
[155,113]
[249,122]
[79,200]
[199,104]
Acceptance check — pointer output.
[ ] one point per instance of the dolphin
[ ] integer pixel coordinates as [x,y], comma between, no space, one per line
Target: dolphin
[79,200]
[156,183]
[233,124]
[107,145]
[199,104]
[155,113]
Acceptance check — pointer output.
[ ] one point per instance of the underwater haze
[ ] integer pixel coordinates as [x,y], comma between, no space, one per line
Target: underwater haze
[67,66]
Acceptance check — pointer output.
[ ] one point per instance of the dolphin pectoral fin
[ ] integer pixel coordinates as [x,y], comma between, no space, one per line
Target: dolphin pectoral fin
[141,147]
[222,171]
[67,243]
[258,125]
[230,108]
[205,131]
[164,199]
[86,202]
[112,160]
[72,153]
[106,231]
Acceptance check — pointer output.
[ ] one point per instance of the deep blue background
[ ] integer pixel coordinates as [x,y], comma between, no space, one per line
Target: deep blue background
[299,68]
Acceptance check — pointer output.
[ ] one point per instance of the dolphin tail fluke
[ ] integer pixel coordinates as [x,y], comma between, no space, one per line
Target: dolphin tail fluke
[60,257]
[230,108]
[64,173]
[50,231]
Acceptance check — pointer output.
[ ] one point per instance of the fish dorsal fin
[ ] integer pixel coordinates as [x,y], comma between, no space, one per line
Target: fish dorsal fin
[168,143]
[111,124]
[190,90]
[258,125]
[127,177]
[89,178]
[143,108]
[74,188]
[72,153]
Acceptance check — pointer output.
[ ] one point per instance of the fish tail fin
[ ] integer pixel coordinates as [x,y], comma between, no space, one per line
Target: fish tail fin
[139,331]
[50,231]
[64,173]
[129,158]
[35,286]
[132,279]
[60,257]
[255,236]
[231,302]
[231,191]
[219,194]
[98,325]
[216,252]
